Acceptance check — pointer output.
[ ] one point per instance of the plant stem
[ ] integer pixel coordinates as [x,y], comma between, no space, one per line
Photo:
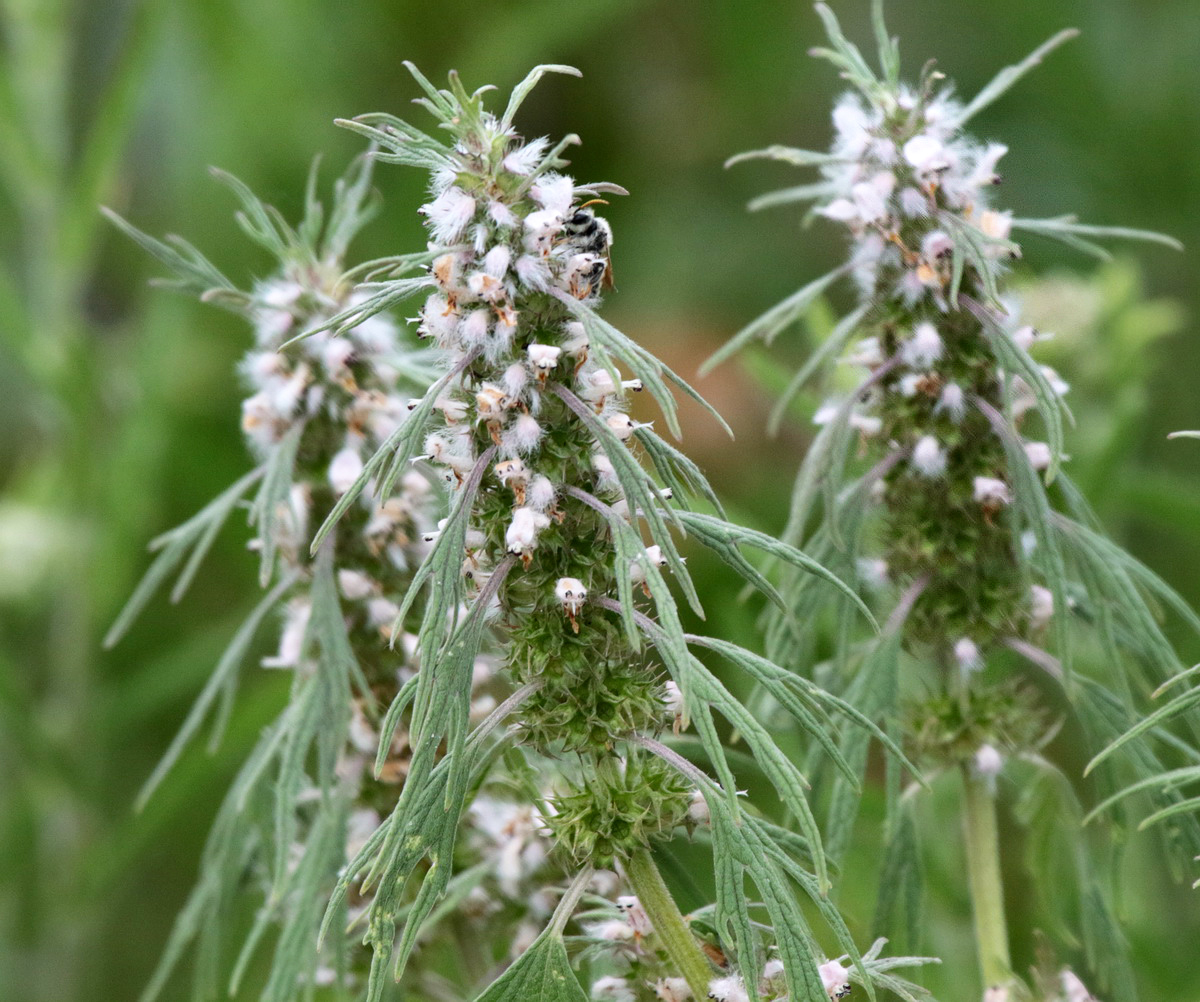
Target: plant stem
[668,922]
[983,874]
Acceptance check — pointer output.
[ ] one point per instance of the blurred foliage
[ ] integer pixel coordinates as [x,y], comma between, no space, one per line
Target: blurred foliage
[118,411]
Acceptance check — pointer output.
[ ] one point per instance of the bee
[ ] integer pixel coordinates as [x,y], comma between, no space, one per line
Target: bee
[586,233]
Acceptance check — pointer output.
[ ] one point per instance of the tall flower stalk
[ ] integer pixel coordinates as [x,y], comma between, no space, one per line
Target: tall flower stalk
[306,797]
[557,548]
[938,479]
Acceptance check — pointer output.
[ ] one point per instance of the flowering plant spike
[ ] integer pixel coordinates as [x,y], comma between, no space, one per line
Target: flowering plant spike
[556,549]
[306,798]
[938,479]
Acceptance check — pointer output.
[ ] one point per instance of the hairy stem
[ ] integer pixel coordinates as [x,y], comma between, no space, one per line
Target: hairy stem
[983,874]
[668,922]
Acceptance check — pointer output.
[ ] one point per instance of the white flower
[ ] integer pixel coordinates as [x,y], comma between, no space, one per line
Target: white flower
[773,969]
[952,401]
[291,639]
[473,330]
[553,192]
[612,989]
[355,585]
[928,457]
[988,761]
[698,814]
[1041,606]
[511,471]
[997,993]
[523,159]
[571,593]
[914,203]
[922,349]
[1057,383]
[926,154]
[521,535]
[501,214]
[990,491]
[543,357]
[672,698]
[1074,990]
[534,272]
[672,990]
[866,353]
[910,384]
[728,989]
[449,214]
[635,914]
[622,425]
[984,173]
[540,494]
[541,227]
[866,424]
[873,571]
[515,379]
[935,243]
[1024,337]
[997,225]
[834,979]
[522,435]
[1039,454]
[614,931]
[654,554]
[496,261]
[966,653]
[344,470]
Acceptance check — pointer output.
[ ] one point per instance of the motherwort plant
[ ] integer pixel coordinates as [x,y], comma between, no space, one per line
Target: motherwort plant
[556,549]
[306,798]
[956,515]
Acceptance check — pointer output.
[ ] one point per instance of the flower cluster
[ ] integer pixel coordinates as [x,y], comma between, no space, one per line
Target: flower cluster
[948,510]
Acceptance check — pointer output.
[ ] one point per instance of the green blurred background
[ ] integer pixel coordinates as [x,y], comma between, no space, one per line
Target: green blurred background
[118,410]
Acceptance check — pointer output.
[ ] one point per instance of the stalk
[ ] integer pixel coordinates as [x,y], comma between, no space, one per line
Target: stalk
[984,879]
[668,921]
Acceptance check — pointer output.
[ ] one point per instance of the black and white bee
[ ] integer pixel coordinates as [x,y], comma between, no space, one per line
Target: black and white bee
[589,240]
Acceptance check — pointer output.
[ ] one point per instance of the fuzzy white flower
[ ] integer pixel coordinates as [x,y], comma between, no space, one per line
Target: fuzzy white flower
[1074,990]
[928,457]
[730,989]
[543,357]
[291,639]
[553,192]
[612,989]
[988,761]
[344,470]
[571,593]
[997,225]
[926,154]
[698,813]
[355,585]
[521,535]
[923,348]
[991,491]
[1041,606]
[835,979]
[523,159]
[773,969]
[672,990]
[635,914]
[966,653]
[1039,455]
[873,571]
[449,214]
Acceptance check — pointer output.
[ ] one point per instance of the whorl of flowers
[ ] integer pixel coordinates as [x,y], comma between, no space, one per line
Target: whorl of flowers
[948,508]
[556,546]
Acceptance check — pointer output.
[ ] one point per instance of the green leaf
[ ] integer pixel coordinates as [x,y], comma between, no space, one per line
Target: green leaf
[541,974]
[1008,76]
